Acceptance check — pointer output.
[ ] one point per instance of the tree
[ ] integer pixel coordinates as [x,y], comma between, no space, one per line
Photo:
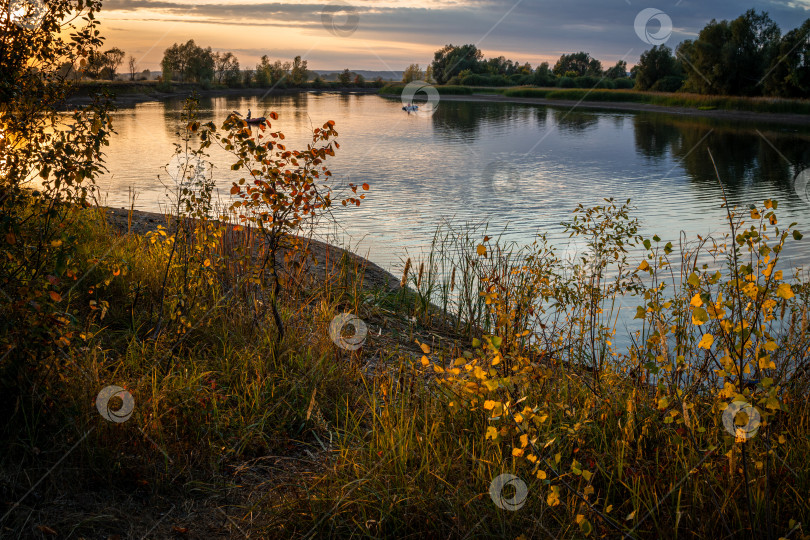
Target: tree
[360,81]
[298,72]
[543,75]
[132,67]
[113,58]
[789,72]
[345,78]
[189,61]
[730,57]
[451,60]
[280,190]
[64,154]
[413,73]
[577,65]
[226,69]
[429,75]
[653,66]
[619,71]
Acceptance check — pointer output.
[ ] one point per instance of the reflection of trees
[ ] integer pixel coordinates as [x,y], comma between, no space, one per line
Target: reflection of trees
[743,156]
[455,119]
[575,122]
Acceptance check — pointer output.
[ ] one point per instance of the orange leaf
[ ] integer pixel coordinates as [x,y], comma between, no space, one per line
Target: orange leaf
[55,296]
[365,186]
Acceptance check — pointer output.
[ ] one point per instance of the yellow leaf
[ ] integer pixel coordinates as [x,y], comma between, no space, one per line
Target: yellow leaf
[482,250]
[425,348]
[644,266]
[706,341]
[771,346]
[587,475]
[784,291]
[438,369]
[425,361]
[517,452]
[207,262]
[553,498]
[489,404]
[492,433]
[524,440]
[699,316]
[541,474]
[696,301]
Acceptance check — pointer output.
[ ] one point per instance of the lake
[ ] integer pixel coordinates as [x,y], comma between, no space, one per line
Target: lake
[516,165]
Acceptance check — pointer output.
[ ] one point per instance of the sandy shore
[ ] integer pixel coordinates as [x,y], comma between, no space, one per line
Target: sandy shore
[326,256]
[746,116]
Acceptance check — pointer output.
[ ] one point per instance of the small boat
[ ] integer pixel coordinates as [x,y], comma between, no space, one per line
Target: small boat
[410,108]
[254,121]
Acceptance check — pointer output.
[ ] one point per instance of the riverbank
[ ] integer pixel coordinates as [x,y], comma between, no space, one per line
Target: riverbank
[627,100]
[220,428]
[130,94]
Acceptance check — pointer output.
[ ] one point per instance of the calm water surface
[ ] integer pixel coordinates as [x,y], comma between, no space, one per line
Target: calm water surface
[521,166]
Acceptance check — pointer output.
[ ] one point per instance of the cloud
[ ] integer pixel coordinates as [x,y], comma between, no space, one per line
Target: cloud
[532,30]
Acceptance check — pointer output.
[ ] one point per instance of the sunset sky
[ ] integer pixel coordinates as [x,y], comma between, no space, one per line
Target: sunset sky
[390,34]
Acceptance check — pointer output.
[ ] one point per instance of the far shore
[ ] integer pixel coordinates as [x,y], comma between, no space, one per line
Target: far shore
[153,95]
[720,114]
[130,99]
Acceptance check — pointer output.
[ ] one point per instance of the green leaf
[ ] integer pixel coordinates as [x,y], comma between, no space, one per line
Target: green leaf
[797,235]
[694,280]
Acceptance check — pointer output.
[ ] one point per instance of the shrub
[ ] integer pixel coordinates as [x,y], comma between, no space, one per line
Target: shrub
[566,82]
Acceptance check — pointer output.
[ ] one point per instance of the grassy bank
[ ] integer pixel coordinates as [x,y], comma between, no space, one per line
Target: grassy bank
[466,374]
[681,100]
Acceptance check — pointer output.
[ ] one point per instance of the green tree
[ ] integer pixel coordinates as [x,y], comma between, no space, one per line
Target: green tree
[190,62]
[345,78]
[49,162]
[451,60]
[577,65]
[730,58]
[298,72]
[788,74]
[226,68]
[413,73]
[619,71]
[653,66]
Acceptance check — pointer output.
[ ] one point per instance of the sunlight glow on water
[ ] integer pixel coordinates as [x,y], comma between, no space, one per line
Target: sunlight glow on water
[518,165]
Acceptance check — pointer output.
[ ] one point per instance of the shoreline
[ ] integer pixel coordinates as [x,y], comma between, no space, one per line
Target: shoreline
[718,114]
[131,99]
[322,252]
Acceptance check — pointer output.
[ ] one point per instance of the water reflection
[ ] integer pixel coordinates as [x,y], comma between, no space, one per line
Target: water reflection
[471,162]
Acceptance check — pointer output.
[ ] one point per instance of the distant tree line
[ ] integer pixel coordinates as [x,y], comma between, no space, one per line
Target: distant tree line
[188,62]
[465,65]
[747,56]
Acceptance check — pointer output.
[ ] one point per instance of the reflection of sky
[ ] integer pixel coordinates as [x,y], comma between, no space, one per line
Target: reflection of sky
[471,162]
